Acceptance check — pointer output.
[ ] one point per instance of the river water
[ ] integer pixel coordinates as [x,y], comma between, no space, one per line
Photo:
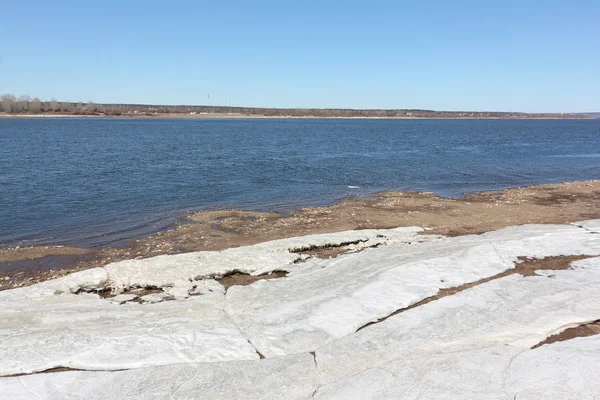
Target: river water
[94,182]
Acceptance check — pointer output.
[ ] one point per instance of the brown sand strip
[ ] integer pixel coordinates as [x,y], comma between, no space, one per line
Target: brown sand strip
[527,267]
[584,330]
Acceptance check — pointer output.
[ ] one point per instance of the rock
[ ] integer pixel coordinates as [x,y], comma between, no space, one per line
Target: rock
[123,298]
[155,297]
[369,325]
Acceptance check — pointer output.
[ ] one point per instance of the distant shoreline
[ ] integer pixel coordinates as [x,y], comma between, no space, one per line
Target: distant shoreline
[254,116]
[25,106]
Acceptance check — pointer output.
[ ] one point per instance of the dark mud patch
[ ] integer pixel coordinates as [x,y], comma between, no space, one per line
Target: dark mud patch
[108,293]
[306,249]
[25,272]
[554,197]
[326,251]
[241,279]
[47,263]
[330,251]
[323,253]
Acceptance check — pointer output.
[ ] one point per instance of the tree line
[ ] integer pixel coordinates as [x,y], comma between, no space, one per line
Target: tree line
[12,104]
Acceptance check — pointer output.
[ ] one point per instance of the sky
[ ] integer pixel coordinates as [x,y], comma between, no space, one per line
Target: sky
[530,56]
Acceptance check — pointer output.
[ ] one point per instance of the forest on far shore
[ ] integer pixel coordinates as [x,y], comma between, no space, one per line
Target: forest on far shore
[12,104]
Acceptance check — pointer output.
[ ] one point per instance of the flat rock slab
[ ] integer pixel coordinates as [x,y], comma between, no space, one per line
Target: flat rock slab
[81,330]
[472,344]
[88,332]
[123,298]
[292,377]
[330,299]
[276,255]
[436,350]
[592,225]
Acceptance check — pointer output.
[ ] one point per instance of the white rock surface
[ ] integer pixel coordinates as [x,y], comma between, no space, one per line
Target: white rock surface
[123,298]
[538,241]
[567,370]
[329,299]
[88,280]
[592,225]
[474,344]
[207,286]
[292,377]
[87,332]
[172,270]
[155,297]
[137,335]
[435,350]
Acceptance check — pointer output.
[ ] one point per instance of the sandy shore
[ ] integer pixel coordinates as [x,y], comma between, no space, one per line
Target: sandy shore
[218,230]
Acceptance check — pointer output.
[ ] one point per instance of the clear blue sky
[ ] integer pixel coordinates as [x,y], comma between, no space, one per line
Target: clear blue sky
[453,55]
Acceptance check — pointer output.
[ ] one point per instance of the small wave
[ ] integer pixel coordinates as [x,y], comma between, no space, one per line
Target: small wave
[593,155]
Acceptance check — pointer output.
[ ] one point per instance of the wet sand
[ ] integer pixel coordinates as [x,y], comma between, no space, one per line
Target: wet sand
[217,230]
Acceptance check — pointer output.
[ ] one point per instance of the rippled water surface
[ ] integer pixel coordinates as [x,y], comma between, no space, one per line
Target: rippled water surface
[95,181]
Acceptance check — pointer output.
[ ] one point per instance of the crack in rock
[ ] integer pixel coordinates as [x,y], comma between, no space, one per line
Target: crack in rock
[63,369]
[314,355]
[230,317]
[333,251]
[593,232]
[326,246]
[582,330]
[525,267]
[262,357]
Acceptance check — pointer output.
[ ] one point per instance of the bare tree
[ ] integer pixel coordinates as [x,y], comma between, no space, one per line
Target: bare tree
[23,103]
[53,105]
[8,102]
[36,105]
